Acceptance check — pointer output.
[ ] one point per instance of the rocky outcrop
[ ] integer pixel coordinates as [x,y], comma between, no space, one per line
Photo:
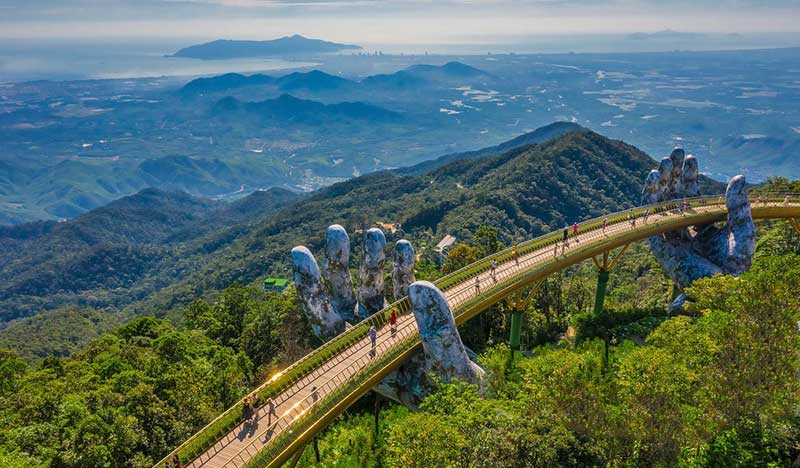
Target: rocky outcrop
[687,255]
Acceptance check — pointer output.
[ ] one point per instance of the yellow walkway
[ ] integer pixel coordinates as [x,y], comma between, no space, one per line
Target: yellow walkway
[342,379]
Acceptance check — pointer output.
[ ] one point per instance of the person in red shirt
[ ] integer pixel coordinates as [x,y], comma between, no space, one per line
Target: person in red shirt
[575,230]
[393,321]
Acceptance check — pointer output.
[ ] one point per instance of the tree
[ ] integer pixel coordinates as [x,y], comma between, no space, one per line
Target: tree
[460,256]
[423,440]
[753,320]
[485,239]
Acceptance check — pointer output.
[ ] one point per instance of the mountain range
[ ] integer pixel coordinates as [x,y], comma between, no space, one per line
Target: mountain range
[290,45]
[315,80]
[287,108]
[163,249]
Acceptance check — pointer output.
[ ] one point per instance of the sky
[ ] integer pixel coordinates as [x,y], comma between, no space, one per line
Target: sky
[384,21]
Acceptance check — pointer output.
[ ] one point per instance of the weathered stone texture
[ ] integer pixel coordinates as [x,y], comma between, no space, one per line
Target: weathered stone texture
[687,255]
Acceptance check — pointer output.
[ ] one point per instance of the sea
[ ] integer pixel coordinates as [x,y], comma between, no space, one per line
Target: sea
[29,60]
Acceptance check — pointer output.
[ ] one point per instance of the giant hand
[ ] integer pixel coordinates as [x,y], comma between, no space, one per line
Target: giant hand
[687,255]
[329,304]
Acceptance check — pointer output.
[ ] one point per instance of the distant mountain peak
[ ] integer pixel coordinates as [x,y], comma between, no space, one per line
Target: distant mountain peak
[313,80]
[283,46]
[452,69]
[540,135]
[412,77]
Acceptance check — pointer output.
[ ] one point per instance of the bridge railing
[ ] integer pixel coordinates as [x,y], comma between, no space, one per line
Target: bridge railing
[221,426]
[312,410]
[550,239]
[335,390]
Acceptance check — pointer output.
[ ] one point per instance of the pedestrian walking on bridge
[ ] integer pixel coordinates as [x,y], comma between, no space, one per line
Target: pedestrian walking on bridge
[373,338]
[270,411]
[247,411]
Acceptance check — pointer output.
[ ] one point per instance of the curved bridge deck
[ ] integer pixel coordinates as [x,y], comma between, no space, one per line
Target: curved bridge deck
[344,369]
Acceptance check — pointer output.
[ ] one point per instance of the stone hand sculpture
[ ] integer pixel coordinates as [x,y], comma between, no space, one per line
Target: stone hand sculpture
[329,302]
[687,255]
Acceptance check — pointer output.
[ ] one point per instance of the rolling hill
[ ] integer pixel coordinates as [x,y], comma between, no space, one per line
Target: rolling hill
[414,77]
[107,257]
[289,109]
[526,191]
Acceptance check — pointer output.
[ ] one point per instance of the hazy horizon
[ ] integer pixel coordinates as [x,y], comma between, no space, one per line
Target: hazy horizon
[385,21]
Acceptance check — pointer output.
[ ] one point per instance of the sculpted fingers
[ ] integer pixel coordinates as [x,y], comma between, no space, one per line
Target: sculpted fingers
[402,268]
[665,179]
[742,231]
[370,287]
[336,266]
[650,191]
[691,188]
[675,188]
[444,352]
[325,322]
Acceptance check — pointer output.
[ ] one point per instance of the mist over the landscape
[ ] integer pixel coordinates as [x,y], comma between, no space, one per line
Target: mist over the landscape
[387,21]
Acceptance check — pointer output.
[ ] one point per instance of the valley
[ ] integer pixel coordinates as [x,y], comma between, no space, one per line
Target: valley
[73,146]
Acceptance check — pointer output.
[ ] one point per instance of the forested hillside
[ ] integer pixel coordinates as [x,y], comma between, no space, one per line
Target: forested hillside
[525,192]
[119,253]
[628,387]
[155,251]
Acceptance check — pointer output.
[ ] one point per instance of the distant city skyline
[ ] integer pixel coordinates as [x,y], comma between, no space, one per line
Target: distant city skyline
[385,21]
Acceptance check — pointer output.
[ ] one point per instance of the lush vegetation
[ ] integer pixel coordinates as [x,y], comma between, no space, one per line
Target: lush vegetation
[119,253]
[56,333]
[718,388]
[627,387]
[589,390]
[155,252]
[130,396]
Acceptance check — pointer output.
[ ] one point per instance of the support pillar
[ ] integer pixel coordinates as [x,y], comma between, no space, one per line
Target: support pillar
[600,294]
[297,456]
[795,223]
[676,291]
[518,304]
[516,329]
[377,411]
[604,267]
